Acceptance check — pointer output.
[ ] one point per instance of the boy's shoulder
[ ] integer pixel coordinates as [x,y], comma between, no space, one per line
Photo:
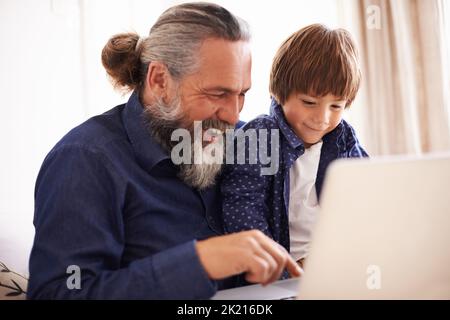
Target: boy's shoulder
[348,139]
[347,133]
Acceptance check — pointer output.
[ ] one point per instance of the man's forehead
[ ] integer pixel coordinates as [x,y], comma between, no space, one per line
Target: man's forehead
[225,65]
[213,46]
[222,54]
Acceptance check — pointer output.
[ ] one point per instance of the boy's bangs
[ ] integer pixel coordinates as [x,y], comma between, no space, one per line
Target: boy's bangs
[333,76]
[316,61]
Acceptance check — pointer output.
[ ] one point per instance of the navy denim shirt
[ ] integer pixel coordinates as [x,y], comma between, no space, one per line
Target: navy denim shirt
[255,201]
[108,200]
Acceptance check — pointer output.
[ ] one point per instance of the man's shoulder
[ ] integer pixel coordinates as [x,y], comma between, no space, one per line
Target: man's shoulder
[96,133]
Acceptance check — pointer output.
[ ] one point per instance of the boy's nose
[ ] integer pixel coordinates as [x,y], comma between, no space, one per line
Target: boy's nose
[322,117]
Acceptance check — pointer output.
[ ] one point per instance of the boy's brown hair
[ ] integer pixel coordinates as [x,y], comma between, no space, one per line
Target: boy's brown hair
[317,61]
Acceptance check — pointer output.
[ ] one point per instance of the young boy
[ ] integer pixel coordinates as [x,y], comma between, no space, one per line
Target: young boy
[315,77]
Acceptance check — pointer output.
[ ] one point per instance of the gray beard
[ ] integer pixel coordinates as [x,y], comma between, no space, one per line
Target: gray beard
[161,120]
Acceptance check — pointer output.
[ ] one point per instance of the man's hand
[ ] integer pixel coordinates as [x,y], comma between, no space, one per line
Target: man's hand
[262,259]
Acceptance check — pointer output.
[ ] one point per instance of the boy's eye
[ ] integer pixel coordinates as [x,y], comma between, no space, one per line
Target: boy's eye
[309,103]
[335,106]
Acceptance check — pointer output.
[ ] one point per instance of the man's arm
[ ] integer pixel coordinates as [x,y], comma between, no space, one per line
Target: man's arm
[79,222]
[78,219]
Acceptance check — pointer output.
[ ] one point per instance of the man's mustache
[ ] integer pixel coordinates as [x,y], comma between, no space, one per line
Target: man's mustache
[213,124]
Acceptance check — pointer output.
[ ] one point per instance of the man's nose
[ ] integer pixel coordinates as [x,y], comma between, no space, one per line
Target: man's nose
[229,112]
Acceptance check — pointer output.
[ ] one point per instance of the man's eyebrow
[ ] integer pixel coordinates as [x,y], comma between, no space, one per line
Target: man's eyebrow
[225,89]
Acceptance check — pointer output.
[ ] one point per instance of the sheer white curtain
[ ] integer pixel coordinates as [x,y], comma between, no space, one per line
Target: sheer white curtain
[405,88]
[445,9]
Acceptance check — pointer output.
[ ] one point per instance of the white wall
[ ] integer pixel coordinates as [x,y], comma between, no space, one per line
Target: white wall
[41,98]
[51,79]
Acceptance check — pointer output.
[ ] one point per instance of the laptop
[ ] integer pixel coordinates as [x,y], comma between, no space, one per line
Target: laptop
[383,232]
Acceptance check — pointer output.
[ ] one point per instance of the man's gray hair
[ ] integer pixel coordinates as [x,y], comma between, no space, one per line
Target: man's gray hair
[179,32]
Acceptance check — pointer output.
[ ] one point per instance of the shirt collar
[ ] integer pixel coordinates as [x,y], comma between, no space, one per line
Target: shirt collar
[148,152]
[293,140]
[277,112]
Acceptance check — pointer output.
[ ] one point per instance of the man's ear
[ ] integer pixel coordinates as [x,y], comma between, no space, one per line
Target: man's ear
[158,80]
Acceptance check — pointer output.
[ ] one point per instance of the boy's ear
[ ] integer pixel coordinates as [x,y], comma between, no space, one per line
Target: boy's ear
[158,80]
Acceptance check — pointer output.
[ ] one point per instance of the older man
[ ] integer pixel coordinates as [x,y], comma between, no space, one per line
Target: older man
[114,216]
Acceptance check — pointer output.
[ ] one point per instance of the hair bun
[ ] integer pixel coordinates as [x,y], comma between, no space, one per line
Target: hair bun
[121,59]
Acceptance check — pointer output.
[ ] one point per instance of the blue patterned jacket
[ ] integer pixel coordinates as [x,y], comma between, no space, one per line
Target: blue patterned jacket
[255,201]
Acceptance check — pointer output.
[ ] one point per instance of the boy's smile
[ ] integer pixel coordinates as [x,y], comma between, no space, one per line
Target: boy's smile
[312,117]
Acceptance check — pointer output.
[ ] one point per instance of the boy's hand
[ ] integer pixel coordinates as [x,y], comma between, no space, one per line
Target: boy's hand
[262,259]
